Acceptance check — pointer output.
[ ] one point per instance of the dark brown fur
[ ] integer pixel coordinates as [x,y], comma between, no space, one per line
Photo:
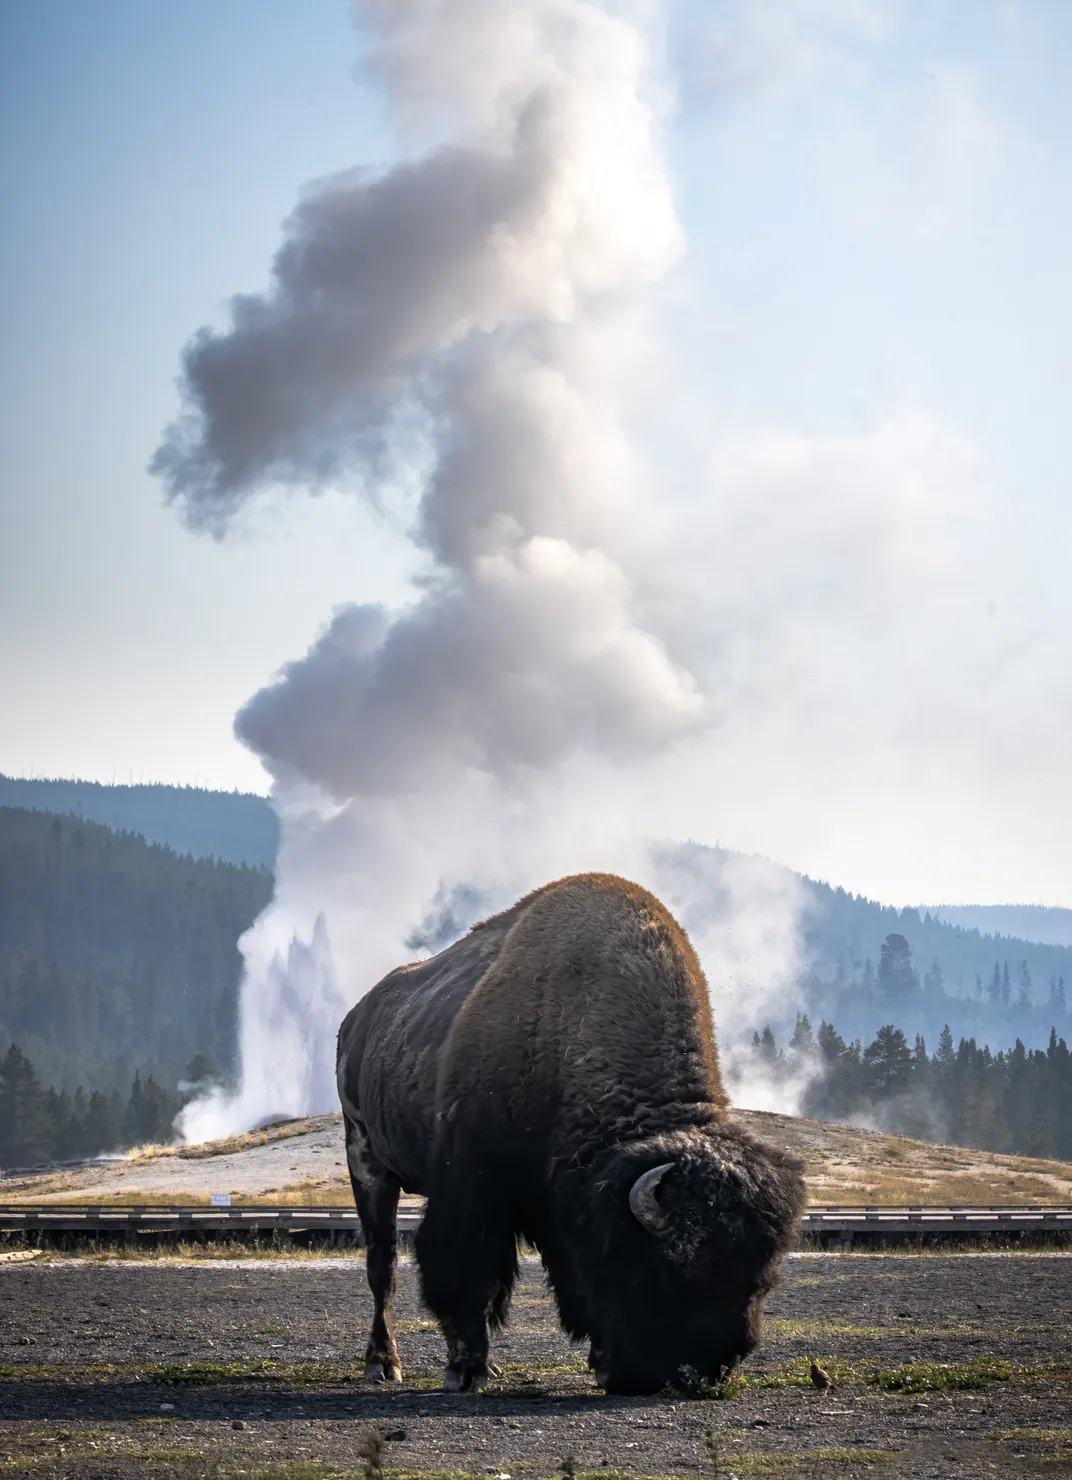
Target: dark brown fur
[522,1080]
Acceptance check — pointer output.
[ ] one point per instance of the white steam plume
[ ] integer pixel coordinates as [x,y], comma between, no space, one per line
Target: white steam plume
[478,310]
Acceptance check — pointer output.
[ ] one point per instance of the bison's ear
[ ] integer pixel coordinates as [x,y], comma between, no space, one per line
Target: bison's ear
[644,1203]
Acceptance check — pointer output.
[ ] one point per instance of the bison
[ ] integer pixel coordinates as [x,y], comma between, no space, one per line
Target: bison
[552,1076]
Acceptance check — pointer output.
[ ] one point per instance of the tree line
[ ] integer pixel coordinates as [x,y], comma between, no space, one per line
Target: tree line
[234,826]
[1019,1100]
[116,953]
[43,1125]
[1006,1000]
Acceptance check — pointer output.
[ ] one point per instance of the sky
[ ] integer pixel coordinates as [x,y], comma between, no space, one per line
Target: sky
[856,407]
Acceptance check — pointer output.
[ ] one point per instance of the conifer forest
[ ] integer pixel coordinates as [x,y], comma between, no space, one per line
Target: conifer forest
[120,969]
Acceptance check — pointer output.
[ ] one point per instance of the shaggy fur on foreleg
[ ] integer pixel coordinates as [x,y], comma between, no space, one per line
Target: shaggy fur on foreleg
[468,1261]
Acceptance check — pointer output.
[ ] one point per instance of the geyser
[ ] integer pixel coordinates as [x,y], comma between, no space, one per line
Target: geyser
[478,313]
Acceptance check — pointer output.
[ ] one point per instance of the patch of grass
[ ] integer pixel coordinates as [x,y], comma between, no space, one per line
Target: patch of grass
[312,1192]
[417,1325]
[226,1146]
[186,1253]
[902,1179]
[269,1330]
[816,1330]
[199,1467]
[1038,1436]
[32,1450]
[807,1462]
[531,1379]
[411,1474]
[192,1374]
[909,1377]
[299,1374]
[934,1377]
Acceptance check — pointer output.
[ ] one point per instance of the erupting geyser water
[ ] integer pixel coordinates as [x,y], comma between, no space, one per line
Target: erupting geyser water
[477,313]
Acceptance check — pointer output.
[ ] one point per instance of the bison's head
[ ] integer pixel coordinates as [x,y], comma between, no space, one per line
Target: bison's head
[690,1229]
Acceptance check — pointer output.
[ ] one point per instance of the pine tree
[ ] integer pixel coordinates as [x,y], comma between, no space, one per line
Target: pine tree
[803,1041]
[1042,1141]
[766,1048]
[25,1126]
[134,1115]
[934,982]
[830,1043]
[103,1131]
[888,1060]
[993,990]
[1023,998]
[898,980]
[158,1114]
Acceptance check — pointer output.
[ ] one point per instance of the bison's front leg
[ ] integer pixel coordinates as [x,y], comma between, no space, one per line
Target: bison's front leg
[376,1195]
[468,1260]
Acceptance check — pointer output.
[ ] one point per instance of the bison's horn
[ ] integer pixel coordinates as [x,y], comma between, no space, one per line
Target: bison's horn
[642,1203]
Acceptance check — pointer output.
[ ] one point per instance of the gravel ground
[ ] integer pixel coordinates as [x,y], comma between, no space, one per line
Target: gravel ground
[98,1362]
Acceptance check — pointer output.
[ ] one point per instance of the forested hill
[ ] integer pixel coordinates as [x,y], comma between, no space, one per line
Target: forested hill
[1014,921]
[237,827]
[840,935]
[117,954]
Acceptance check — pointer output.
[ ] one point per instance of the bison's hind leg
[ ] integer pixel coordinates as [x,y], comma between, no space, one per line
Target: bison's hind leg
[376,1195]
[467,1252]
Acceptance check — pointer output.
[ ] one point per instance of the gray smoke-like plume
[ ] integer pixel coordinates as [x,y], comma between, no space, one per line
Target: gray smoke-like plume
[778,640]
[476,314]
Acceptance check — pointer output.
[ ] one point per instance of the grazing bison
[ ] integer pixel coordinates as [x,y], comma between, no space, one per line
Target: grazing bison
[552,1076]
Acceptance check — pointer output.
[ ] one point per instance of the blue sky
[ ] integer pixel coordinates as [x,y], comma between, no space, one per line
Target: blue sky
[150,154]
[876,198]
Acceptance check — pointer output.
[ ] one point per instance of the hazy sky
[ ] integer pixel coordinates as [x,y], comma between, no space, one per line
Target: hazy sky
[874,316]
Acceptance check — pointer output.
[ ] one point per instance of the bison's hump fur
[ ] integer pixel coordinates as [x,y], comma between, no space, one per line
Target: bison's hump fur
[524,1079]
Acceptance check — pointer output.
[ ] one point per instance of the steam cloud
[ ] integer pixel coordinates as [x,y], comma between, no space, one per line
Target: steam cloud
[476,313]
[475,335]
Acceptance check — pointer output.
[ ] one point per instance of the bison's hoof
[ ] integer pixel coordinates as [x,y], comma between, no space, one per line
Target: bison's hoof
[597,1361]
[379,1371]
[463,1380]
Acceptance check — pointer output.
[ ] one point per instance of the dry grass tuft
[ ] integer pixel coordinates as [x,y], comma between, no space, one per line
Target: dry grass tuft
[843,1164]
[846,1164]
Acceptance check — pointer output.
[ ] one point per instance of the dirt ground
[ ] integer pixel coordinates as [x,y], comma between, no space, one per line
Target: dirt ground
[952,1366]
[302,1162]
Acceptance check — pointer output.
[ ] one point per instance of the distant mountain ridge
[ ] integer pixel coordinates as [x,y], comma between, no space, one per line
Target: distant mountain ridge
[840,934]
[233,826]
[1044,923]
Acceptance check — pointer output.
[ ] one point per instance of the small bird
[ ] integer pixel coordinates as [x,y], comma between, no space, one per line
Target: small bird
[820,1378]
